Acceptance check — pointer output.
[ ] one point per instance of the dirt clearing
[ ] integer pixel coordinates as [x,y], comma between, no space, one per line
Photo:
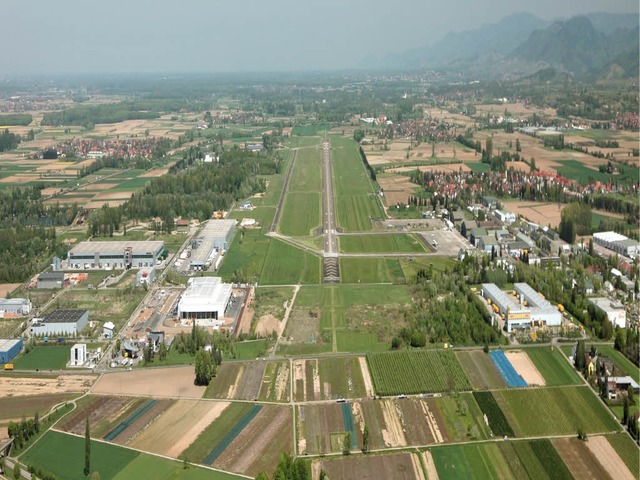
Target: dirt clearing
[609,458]
[266,325]
[525,367]
[151,382]
[178,427]
[6,288]
[11,386]
[368,383]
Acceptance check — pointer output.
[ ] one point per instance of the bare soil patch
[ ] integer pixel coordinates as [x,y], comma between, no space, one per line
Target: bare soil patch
[98,204]
[173,382]
[171,433]
[537,212]
[11,386]
[609,458]
[368,383]
[113,196]
[432,472]
[6,288]
[100,409]
[579,459]
[266,325]
[393,434]
[441,167]
[257,447]
[526,368]
[398,466]
[248,386]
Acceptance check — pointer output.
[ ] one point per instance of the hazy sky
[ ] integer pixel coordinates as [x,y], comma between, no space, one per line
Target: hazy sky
[69,36]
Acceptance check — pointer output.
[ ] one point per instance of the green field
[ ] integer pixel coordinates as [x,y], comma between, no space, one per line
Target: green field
[553,366]
[300,214]
[288,265]
[44,358]
[627,450]
[462,417]
[481,461]
[355,199]
[416,371]
[576,170]
[398,243]
[478,167]
[371,270]
[497,420]
[309,130]
[110,461]
[555,411]
[306,175]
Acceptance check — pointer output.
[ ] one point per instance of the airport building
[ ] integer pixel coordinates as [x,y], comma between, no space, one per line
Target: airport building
[9,349]
[115,255]
[614,310]
[60,323]
[215,237]
[205,301]
[524,307]
[15,306]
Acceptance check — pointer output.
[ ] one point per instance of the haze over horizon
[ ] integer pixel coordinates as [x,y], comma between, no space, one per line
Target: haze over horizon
[73,37]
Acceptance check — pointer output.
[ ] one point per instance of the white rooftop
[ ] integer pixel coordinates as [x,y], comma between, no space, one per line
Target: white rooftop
[217,228]
[606,305]
[609,236]
[116,248]
[204,294]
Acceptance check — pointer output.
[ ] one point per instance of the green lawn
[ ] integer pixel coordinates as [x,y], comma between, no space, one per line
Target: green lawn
[478,167]
[300,214]
[576,170]
[481,461]
[398,243]
[306,175]
[44,358]
[371,270]
[288,265]
[251,349]
[552,365]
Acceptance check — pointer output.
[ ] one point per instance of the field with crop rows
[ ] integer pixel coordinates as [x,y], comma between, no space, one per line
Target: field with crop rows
[471,461]
[556,411]
[480,370]
[416,371]
[399,243]
[552,365]
[497,421]
[627,450]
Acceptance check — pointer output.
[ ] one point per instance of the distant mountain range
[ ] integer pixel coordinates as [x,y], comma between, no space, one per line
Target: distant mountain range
[601,45]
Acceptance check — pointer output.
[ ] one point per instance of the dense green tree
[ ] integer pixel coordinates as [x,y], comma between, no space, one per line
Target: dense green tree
[580,360]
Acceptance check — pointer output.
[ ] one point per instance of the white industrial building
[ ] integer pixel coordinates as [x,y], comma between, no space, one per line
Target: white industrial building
[205,301]
[108,328]
[145,276]
[61,322]
[115,255]
[78,355]
[618,243]
[214,238]
[15,306]
[614,310]
[522,308]
[506,217]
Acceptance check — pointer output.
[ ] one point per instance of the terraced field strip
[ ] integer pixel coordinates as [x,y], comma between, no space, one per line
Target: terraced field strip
[507,371]
[416,371]
[553,367]
[132,418]
[347,417]
[232,434]
[627,450]
[556,411]
[480,370]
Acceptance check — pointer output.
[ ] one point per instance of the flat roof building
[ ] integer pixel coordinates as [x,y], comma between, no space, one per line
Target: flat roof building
[522,308]
[614,310]
[51,280]
[16,306]
[205,301]
[9,349]
[115,255]
[61,322]
[618,243]
[214,237]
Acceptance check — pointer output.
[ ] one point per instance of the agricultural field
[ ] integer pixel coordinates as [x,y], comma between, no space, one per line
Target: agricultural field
[43,358]
[627,450]
[111,461]
[497,420]
[384,243]
[540,460]
[17,407]
[555,411]
[462,417]
[416,371]
[399,466]
[276,383]
[240,381]
[478,461]
[321,428]
[355,198]
[330,378]
[582,462]
[553,366]
[480,370]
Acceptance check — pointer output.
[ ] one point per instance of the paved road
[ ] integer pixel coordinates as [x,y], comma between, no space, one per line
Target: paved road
[329,214]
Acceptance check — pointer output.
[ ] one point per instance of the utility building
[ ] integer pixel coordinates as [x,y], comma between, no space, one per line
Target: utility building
[9,349]
[614,310]
[15,306]
[115,255]
[51,280]
[205,301]
[61,322]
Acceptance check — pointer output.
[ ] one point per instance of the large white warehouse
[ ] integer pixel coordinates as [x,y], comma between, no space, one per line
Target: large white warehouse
[205,301]
[524,307]
[115,255]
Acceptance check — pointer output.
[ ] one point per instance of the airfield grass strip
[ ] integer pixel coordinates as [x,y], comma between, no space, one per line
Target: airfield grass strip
[233,433]
[347,417]
[122,426]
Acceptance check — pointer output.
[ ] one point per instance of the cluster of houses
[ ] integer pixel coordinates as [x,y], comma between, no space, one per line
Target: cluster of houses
[91,148]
